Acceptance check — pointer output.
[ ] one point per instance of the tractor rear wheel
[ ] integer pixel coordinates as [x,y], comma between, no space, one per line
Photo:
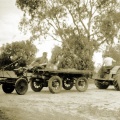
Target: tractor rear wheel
[101,84]
[8,88]
[116,82]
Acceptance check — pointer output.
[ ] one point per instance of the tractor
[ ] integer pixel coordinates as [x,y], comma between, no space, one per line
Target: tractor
[15,79]
[111,77]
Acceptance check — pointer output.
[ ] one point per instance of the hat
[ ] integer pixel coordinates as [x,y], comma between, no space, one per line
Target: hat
[44,53]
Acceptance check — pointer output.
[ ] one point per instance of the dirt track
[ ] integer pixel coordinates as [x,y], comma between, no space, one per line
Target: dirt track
[94,104]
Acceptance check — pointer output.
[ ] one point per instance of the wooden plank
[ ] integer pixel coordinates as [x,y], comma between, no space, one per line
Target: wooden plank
[66,71]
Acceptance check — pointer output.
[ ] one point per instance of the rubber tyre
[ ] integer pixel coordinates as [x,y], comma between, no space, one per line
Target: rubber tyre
[7,88]
[81,84]
[21,86]
[100,85]
[36,86]
[116,82]
[55,84]
[66,85]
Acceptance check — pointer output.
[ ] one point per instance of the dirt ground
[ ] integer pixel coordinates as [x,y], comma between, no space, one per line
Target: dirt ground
[94,104]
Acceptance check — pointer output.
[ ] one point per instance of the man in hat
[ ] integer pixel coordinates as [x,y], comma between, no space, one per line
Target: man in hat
[107,65]
[40,61]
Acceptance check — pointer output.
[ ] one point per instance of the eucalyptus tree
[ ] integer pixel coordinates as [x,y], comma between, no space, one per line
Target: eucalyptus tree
[80,25]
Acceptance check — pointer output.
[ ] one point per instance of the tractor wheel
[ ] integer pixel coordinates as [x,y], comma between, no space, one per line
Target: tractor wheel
[81,84]
[55,84]
[116,82]
[36,85]
[8,88]
[21,86]
[67,84]
[101,85]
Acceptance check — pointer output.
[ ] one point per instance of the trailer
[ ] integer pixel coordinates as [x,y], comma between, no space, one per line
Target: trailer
[40,77]
[56,79]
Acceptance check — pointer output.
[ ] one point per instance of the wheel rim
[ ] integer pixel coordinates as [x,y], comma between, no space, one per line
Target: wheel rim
[55,84]
[81,84]
[67,84]
[36,85]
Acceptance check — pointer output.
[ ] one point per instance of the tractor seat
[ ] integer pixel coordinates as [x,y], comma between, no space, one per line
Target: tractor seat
[107,69]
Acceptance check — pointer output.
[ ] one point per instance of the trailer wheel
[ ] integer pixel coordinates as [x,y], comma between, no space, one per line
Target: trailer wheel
[21,86]
[36,86]
[116,82]
[55,84]
[7,88]
[81,84]
[101,85]
[67,84]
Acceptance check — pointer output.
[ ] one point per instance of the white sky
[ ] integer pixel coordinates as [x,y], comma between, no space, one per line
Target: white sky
[10,16]
[9,19]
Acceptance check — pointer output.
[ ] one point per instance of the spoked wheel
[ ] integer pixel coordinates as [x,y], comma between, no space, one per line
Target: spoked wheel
[67,84]
[8,88]
[21,86]
[81,84]
[36,85]
[55,84]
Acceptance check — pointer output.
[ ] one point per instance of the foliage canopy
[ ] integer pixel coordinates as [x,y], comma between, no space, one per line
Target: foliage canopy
[81,25]
[23,50]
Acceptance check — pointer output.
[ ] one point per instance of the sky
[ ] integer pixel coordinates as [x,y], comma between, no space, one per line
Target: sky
[10,17]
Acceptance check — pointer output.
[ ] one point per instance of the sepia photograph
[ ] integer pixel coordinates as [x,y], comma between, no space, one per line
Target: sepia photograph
[60,60]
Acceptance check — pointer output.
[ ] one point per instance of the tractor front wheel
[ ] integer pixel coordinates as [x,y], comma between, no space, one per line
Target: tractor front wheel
[101,84]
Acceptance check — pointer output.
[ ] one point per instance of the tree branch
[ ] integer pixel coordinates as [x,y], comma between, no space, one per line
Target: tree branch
[54,38]
[73,20]
[102,42]
[51,24]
